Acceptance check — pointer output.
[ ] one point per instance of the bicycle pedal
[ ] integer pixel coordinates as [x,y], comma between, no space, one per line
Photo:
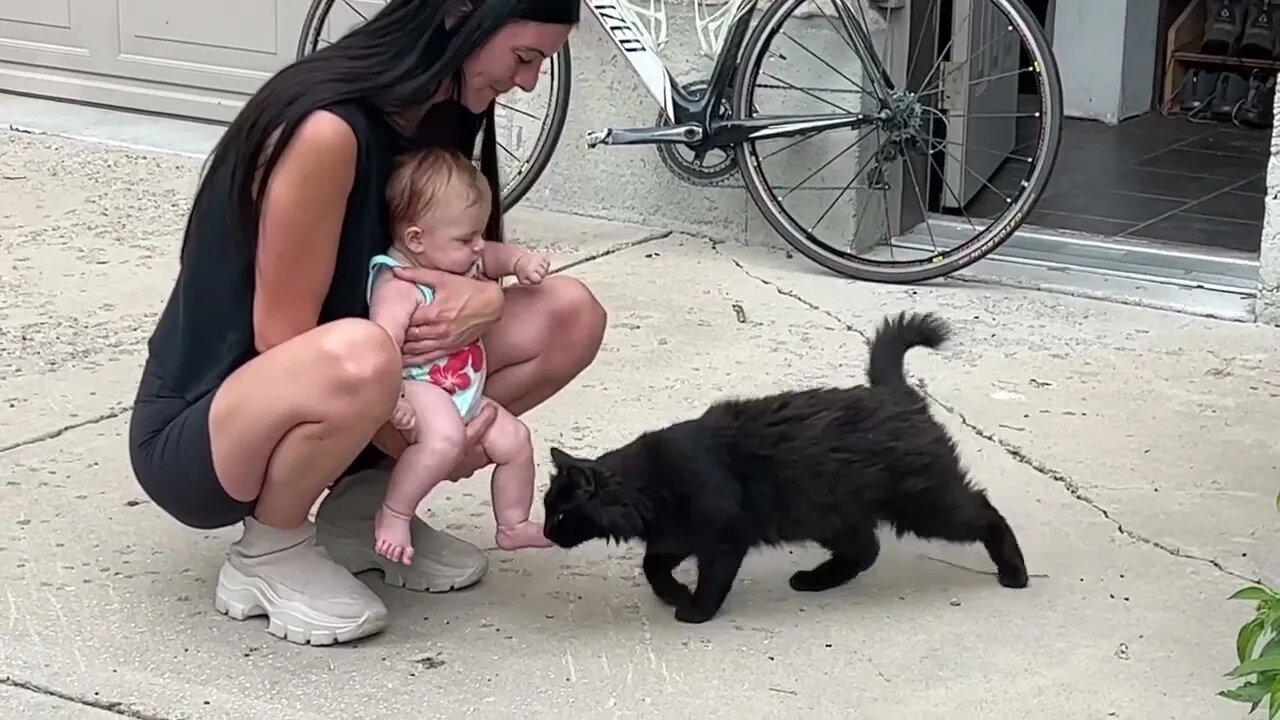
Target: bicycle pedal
[598,137]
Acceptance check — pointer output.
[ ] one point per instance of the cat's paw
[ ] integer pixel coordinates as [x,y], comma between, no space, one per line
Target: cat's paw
[691,613]
[673,593]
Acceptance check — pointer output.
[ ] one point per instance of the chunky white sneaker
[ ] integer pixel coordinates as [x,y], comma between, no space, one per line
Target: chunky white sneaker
[344,527]
[307,598]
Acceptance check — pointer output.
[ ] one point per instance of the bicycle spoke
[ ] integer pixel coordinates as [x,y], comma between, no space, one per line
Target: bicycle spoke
[923,206]
[355,10]
[911,66]
[994,115]
[976,81]
[823,216]
[848,39]
[1001,153]
[981,179]
[954,195]
[507,151]
[827,164]
[829,65]
[792,144]
[515,109]
[819,98]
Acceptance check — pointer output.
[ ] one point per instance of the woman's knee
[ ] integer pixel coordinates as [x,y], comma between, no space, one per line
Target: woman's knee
[362,364]
[576,316]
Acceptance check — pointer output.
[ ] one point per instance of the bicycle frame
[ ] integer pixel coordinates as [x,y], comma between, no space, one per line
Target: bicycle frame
[694,120]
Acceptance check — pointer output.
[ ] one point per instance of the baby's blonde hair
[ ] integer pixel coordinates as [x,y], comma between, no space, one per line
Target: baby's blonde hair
[423,178]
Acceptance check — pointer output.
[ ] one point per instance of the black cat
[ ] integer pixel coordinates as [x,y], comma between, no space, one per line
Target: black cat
[826,465]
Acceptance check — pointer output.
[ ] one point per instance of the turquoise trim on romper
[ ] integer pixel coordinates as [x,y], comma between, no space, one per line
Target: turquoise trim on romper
[467,401]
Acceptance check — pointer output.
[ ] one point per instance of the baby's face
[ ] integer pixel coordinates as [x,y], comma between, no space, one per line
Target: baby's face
[451,240]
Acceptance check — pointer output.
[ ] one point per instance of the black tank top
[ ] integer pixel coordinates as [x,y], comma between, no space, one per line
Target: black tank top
[206,329]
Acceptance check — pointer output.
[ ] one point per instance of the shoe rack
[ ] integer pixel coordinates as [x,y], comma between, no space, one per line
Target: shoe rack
[1221,61]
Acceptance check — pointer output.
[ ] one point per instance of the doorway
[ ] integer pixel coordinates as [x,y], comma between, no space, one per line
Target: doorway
[1192,177]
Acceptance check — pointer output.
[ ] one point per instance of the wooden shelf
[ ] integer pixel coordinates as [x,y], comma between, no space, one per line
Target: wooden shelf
[1195,58]
[1182,43]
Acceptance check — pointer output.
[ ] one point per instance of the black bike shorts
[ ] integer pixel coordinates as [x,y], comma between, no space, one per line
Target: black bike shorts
[172,457]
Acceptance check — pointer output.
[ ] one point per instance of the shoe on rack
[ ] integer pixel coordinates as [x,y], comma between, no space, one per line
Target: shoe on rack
[1257,110]
[307,598]
[1198,86]
[344,527]
[1224,23]
[1231,91]
[1259,40]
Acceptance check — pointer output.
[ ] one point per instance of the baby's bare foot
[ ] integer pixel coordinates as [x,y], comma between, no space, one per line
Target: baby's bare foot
[527,534]
[391,537]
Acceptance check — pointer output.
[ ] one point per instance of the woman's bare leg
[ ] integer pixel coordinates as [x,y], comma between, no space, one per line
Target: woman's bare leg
[288,422]
[549,333]
[281,428]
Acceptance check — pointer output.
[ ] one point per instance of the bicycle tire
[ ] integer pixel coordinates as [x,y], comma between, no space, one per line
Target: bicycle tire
[553,128]
[927,268]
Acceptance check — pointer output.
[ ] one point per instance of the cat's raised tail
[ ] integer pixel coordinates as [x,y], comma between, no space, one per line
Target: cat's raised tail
[895,336]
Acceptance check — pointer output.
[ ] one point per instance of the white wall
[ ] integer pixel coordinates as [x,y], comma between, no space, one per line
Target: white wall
[1106,52]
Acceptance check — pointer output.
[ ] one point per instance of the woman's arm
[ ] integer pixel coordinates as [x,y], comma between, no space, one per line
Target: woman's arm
[303,206]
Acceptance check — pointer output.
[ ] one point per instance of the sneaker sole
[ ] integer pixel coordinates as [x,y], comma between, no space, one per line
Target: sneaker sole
[241,597]
[424,576]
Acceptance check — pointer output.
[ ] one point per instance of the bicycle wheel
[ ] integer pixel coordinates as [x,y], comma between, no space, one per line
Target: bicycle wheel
[516,116]
[949,141]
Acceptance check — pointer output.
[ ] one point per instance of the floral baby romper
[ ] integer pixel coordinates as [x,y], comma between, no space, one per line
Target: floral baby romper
[461,374]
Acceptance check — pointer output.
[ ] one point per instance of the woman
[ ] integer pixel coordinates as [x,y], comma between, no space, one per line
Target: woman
[264,381]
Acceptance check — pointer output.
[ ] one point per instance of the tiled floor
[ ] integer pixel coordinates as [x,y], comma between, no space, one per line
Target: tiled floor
[1163,179]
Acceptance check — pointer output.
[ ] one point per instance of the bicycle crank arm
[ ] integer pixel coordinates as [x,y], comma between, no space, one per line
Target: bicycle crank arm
[679,134]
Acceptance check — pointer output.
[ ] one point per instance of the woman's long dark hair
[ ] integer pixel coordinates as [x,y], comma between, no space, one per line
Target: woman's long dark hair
[396,60]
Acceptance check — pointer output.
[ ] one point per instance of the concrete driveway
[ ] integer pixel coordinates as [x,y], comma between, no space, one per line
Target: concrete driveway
[1131,450]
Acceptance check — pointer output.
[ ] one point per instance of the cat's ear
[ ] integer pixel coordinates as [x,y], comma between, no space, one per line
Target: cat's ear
[562,459]
[577,471]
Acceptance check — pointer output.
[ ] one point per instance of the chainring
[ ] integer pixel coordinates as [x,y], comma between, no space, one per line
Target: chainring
[679,159]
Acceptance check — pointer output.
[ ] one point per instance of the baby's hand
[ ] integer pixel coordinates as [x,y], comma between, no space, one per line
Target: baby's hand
[532,267]
[402,417]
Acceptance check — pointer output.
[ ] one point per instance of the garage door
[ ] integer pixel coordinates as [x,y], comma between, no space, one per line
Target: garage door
[192,58]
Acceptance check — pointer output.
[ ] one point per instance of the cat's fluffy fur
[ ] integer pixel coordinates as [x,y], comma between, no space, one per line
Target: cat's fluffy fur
[826,465]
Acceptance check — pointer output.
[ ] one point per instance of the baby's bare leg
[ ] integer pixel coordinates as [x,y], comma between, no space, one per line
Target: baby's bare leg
[509,446]
[438,435]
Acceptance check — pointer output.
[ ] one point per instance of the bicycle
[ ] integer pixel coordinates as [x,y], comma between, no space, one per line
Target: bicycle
[918,126]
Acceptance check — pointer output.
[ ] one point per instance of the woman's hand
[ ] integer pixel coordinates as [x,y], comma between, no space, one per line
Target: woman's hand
[463,309]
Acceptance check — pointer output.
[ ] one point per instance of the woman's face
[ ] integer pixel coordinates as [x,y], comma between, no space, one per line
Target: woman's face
[511,58]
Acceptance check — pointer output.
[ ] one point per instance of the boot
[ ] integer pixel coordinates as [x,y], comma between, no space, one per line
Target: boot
[344,521]
[1223,26]
[1232,89]
[1259,39]
[1257,110]
[307,598]
[1197,89]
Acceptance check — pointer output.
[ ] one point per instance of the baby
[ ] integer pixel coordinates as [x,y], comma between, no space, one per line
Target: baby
[439,205]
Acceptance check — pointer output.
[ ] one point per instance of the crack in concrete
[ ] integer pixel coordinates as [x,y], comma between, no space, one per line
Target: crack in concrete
[656,235]
[122,709]
[109,415]
[51,434]
[1013,451]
